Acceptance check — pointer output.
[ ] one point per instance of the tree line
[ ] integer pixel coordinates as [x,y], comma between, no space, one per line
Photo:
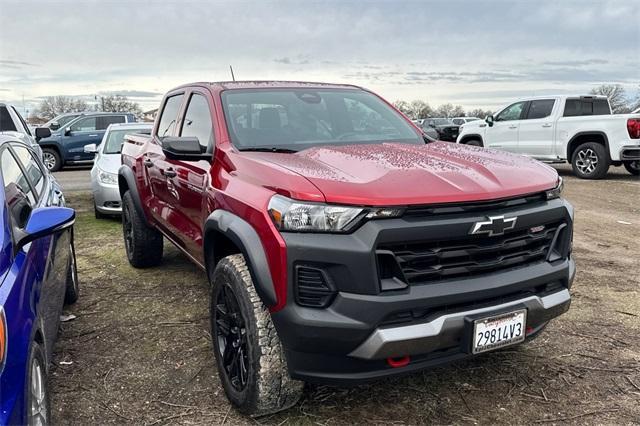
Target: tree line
[418,109]
[52,106]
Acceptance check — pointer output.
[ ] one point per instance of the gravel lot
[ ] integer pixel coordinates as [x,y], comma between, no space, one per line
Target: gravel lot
[139,350]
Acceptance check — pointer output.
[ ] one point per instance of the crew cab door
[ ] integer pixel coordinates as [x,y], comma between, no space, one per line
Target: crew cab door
[86,131]
[536,133]
[190,178]
[503,134]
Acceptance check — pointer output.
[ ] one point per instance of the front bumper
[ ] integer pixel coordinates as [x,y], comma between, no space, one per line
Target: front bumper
[349,341]
[107,198]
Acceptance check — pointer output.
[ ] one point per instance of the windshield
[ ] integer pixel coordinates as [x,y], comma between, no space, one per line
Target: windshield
[115,138]
[296,119]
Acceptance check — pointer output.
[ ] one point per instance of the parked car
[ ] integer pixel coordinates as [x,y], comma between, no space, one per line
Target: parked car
[12,123]
[577,129]
[340,247]
[38,270]
[65,146]
[62,119]
[104,174]
[462,120]
[444,127]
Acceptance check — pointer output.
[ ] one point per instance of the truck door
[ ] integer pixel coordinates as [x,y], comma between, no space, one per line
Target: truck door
[536,134]
[191,177]
[503,134]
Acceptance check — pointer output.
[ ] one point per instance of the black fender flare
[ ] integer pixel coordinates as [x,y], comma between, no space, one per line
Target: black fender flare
[471,136]
[242,234]
[125,174]
[587,133]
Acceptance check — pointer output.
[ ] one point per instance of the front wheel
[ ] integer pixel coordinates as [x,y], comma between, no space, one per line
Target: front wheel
[632,167]
[36,388]
[73,288]
[142,243]
[51,159]
[249,356]
[590,161]
[474,142]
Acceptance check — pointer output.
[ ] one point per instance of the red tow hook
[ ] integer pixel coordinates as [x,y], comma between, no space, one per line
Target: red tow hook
[399,362]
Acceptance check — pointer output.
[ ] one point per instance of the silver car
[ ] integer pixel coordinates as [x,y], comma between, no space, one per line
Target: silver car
[104,174]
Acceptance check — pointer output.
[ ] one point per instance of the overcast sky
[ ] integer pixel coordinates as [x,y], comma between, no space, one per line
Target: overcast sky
[478,54]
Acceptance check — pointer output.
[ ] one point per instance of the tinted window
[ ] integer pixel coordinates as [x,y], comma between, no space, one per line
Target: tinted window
[540,108]
[18,193]
[577,107]
[458,121]
[103,121]
[84,125]
[601,107]
[197,122]
[300,118]
[33,170]
[169,116]
[512,112]
[6,123]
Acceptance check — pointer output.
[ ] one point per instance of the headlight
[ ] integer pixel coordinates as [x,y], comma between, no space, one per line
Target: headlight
[108,178]
[555,192]
[291,215]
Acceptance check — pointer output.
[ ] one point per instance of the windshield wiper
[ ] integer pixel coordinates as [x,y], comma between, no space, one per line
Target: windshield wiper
[270,149]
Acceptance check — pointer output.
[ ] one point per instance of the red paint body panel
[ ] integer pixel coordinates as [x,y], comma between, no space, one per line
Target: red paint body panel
[242,183]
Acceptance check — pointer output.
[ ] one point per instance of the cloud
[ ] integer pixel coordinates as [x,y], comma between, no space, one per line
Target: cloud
[131,93]
[288,61]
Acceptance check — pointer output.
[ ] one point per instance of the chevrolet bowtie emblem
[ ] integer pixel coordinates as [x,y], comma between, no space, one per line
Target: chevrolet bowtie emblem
[496,225]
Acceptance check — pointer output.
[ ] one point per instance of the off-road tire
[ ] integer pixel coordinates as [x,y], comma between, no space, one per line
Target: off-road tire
[72,286]
[590,150]
[474,142]
[632,167]
[269,388]
[142,243]
[56,161]
[36,353]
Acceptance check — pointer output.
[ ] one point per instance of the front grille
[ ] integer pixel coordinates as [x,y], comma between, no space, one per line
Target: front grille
[313,288]
[471,255]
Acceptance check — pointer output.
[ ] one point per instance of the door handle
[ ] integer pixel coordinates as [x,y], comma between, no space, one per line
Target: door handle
[546,125]
[147,162]
[513,127]
[93,136]
[170,173]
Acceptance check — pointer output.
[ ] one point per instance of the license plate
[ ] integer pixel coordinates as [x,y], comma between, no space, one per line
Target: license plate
[499,331]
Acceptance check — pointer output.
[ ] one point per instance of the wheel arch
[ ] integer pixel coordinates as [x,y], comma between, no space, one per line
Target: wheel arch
[587,136]
[471,136]
[127,182]
[226,234]
[56,148]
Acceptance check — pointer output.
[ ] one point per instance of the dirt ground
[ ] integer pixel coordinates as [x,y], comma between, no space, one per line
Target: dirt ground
[140,352]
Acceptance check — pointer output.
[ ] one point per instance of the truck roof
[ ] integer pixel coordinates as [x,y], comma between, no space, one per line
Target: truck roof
[265,84]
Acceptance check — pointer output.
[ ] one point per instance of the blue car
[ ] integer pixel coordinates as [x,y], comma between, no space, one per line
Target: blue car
[37,276]
[65,146]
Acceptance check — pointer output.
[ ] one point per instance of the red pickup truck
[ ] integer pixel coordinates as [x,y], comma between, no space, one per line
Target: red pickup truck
[341,244]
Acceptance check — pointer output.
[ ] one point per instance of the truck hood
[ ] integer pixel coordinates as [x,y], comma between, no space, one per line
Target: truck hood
[395,174]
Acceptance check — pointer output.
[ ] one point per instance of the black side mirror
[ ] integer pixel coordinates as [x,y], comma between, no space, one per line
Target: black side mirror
[42,133]
[184,148]
[489,120]
[67,131]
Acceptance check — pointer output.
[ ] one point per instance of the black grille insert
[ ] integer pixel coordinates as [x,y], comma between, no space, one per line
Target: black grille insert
[471,255]
[313,287]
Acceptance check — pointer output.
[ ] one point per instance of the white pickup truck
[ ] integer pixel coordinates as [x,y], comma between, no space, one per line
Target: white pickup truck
[555,129]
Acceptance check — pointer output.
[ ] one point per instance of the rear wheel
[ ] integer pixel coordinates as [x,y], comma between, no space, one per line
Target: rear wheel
[590,161]
[73,288]
[632,167]
[37,389]
[51,159]
[474,142]
[142,243]
[249,356]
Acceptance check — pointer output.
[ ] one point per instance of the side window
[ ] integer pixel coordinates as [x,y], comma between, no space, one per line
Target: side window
[84,125]
[169,116]
[197,122]
[540,108]
[579,107]
[31,167]
[103,121]
[512,112]
[18,192]
[6,123]
[601,107]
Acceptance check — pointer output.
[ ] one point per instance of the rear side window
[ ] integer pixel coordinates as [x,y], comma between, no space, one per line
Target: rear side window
[6,123]
[84,125]
[169,116]
[18,193]
[103,121]
[579,107]
[540,108]
[31,167]
[197,122]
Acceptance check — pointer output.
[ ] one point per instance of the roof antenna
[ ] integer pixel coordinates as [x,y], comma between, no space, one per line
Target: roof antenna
[232,76]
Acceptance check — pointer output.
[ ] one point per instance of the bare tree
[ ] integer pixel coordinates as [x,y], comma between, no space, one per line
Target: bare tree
[616,95]
[117,103]
[479,112]
[53,106]
[403,107]
[421,109]
[458,111]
